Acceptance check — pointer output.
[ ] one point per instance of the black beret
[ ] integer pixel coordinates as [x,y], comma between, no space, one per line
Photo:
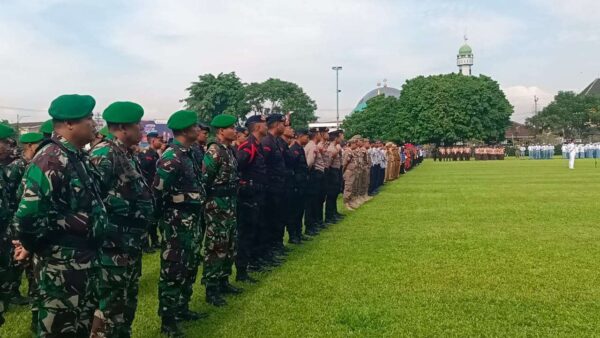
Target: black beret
[275,118]
[313,130]
[152,134]
[203,126]
[240,129]
[323,129]
[301,131]
[334,133]
[254,119]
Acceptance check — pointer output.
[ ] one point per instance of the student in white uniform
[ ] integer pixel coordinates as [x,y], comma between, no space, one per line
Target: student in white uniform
[572,151]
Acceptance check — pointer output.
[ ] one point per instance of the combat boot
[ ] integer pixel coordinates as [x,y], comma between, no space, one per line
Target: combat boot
[243,276]
[213,296]
[227,288]
[169,327]
[186,315]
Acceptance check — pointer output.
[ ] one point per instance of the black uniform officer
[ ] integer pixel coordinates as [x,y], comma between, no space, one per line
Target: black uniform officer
[299,184]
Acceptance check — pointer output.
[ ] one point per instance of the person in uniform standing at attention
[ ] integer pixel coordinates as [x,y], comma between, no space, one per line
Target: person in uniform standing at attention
[60,219]
[180,196]
[221,177]
[147,160]
[130,205]
[316,171]
[299,185]
[253,235]
[326,161]
[333,178]
[350,167]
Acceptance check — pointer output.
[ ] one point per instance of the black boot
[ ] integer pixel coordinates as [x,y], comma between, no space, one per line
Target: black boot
[169,327]
[186,315]
[17,299]
[227,288]
[213,296]
[243,276]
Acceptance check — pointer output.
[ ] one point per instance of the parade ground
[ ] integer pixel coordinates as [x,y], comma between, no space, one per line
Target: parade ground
[494,248]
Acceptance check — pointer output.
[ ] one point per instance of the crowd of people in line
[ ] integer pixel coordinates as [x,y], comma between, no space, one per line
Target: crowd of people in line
[79,207]
[465,153]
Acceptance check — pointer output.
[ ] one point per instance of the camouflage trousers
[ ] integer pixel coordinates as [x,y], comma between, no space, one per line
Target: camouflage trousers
[67,298]
[219,239]
[349,187]
[5,273]
[118,288]
[179,260]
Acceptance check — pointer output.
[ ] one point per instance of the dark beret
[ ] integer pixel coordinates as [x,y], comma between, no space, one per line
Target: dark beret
[254,119]
[275,118]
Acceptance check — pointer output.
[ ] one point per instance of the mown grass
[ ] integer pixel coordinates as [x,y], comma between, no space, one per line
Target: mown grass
[499,248]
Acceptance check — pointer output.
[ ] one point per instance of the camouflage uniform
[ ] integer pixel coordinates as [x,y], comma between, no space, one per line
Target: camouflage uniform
[148,159]
[129,204]
[180,196]
[60,219]
[220,174]
[5,245]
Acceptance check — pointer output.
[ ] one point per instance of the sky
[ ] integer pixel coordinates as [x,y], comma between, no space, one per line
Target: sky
[150,51]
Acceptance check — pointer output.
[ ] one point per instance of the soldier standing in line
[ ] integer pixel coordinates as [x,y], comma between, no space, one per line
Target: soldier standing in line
[326,162]
[180,197]
[316,171]
[6,133]
[350,167]
[220,175]
[130,206]
[46,129]
[252,233]
[60,220]
[148,159]
[299,185]
[276,172]
[333,178]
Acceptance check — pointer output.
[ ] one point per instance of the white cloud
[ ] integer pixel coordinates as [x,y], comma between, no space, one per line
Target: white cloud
[522,99]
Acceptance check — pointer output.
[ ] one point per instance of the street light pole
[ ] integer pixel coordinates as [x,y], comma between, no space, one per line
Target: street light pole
[337,95]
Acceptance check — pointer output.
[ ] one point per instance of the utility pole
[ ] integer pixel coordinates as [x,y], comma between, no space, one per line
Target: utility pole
[337,95]
[535,104]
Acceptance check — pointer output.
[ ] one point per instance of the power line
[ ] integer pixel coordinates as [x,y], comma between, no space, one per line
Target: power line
[24,109]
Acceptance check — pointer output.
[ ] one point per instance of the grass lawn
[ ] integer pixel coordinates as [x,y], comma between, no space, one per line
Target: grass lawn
[497,248]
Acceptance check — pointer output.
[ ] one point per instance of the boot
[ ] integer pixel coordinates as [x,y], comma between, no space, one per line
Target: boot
[213,296]
[243,276]
[187,315]
[227,288]
[169,327]
[17,299]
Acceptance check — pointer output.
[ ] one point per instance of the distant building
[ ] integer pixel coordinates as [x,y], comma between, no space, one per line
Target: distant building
[464,59]
[593,88]
[385,90]
[518,133]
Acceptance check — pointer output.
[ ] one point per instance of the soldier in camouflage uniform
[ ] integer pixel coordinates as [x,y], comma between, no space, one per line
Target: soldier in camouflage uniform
[129,204]
[180,197]
[14,174]
[148,159]
[61,218]
[6,132]
[220,174]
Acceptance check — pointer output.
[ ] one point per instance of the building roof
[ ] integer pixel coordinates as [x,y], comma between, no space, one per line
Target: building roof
[465,50]
[387,91]
[518,130]
[593,88]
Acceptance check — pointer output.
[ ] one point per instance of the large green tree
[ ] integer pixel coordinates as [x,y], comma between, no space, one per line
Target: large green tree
[437,109]
[277,96]
[569,115]
[213,95]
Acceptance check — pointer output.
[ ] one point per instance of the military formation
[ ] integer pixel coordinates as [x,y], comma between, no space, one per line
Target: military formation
[79,207]
[463,153]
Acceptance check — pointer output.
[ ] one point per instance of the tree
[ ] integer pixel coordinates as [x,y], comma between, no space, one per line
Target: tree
[569,114]
[437,109]
[213,95]
[277,96]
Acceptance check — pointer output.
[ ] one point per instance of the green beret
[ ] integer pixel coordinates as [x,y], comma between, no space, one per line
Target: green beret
[47,127]
[71,107]
[182,119]
[123,112]
[6,131]
[31,138]
[104,131]
[223,121]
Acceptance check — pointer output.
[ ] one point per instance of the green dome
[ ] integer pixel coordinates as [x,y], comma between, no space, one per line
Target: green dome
[465,50]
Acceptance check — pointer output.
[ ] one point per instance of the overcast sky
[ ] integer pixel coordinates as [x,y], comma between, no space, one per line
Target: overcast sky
[149,51]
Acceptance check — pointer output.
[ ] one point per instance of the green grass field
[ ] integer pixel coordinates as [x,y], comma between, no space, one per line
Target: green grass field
[498,248]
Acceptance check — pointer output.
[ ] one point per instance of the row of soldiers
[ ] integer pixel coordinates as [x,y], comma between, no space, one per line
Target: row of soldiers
[452,153]
[81,217]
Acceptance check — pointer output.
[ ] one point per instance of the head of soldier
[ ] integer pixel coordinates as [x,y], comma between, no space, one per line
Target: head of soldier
[154,141]
[123,121]
[30,142]
[333,136]
[241,134]
[257,126]
[276,124]
[6,134]
[224,126]
[203,130]
[184,124]
[72,118]
[302,137]
[289,132]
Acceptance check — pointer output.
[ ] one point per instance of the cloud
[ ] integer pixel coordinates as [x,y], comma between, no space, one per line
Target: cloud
[522,99]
